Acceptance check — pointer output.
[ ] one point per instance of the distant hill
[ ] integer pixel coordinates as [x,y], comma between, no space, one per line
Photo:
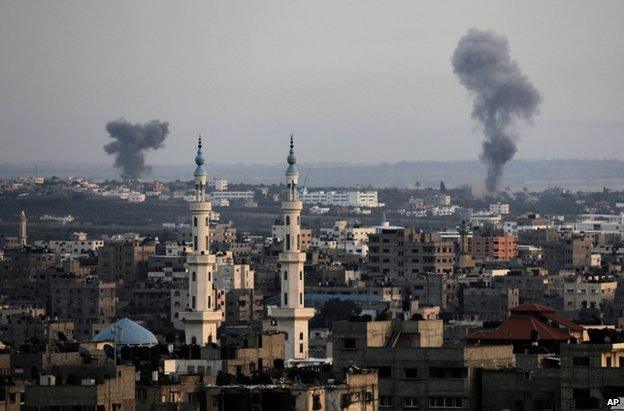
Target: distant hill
[573,174]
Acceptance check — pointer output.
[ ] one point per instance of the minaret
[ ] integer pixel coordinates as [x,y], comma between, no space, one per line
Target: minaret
[23,237]
[201,320]
[291,317]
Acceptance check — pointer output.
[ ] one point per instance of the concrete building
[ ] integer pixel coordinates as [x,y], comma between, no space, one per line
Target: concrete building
[489,304]
[279,231]
[591,374]
[342,199]
[303,388]
[241,196]
[77,246]
[125,261]
[104,387]
[398,251]
[202,319]
[493,248]
[291,316]
[88,302]
[415,369]
[499,208]
[243,306]
[588,292]
[560,250]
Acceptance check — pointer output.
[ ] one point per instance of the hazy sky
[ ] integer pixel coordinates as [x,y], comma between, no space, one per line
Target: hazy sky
[356,81]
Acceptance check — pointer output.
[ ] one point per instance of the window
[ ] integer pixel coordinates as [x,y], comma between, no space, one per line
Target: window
[194,276]
[287,220]
[445,402]
[410,402]
[287,242]
[301,275]
[410,373]
[301,336]
[385,401]
[543,405]
[285,299]
[300,298]
[194,221]
[580,361]
[348,343]
[285,275]
[301,348]
[383,372]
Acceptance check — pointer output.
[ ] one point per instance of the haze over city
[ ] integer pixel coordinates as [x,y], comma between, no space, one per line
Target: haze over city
[357,82]
[297,205]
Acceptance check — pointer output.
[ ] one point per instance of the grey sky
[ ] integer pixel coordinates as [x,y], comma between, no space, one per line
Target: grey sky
[360,81]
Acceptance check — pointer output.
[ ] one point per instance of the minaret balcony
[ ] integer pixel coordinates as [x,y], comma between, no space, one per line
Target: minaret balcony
[292,257]
[292,205]
[204,206]
[195,259]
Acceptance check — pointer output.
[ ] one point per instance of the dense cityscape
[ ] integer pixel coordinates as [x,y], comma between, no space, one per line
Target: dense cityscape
[327,299]
[311,206]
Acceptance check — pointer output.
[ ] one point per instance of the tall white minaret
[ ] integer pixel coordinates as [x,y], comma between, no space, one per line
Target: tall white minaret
[201,320]
[291,317]
[23,237]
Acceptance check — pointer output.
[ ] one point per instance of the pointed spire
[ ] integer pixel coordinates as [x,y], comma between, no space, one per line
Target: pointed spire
[291,155]
[199,159]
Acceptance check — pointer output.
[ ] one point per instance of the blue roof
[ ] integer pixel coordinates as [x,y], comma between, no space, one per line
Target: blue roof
[128,333]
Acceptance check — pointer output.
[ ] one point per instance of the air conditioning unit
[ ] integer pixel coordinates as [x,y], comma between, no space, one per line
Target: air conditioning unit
[87,381]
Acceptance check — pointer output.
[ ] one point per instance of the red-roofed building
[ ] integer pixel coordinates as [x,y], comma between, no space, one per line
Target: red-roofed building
[531,327]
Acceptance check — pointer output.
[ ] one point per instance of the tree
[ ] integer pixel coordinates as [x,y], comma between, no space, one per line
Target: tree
[335,310]
[442,187]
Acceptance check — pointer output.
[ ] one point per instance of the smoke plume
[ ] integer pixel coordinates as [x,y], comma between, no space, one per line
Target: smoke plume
[501,94]
[131,141]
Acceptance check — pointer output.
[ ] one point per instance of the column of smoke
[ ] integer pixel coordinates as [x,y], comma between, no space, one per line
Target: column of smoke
[501,94]
[131,142]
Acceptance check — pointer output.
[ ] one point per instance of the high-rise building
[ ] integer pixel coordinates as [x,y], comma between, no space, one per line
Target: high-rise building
[291,317]
[397,252]
[201,320]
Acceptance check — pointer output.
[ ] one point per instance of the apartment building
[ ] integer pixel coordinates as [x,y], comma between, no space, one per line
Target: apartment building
[489,303]
[125,261]
[399,251]
[415,369]
[493,248]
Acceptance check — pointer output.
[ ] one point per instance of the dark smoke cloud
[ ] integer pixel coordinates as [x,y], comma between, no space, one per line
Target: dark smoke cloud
[131,141]
[500,92]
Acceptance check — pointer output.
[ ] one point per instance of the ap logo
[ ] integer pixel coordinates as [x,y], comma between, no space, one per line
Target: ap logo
[616,403]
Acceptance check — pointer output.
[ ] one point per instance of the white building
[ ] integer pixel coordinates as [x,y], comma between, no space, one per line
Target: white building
[73,248]
[499,208]
[136,197]
[588,293]
[219,184]
[344,237]
[230,276]
[601,223]
[342,199]
[232,195]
